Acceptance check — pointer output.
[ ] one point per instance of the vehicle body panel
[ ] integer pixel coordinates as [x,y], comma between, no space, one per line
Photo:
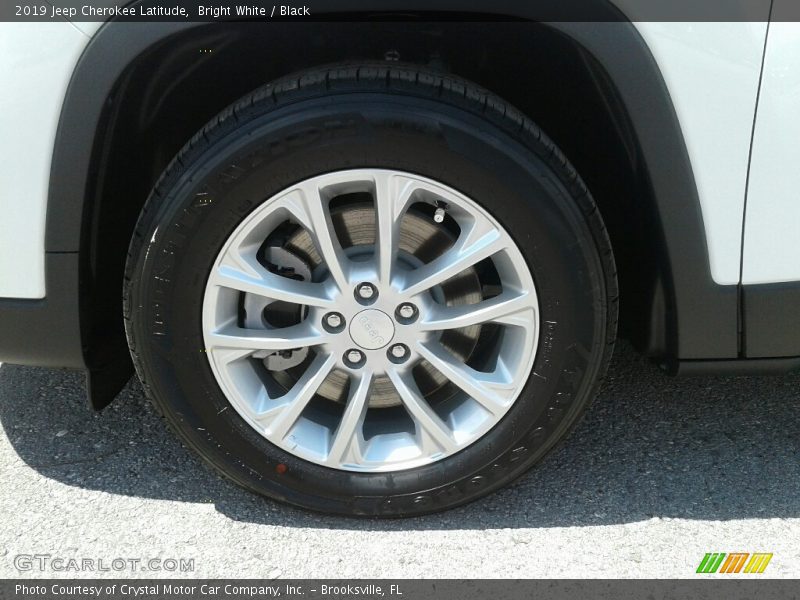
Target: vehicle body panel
[772,230]
[36,64]
[712,71]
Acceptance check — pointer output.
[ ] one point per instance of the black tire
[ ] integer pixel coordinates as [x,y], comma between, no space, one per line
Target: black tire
[397,117]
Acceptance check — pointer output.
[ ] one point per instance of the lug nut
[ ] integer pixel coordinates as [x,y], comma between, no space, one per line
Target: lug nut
[398,352]
[333,320]
[366,293]
[354,357]
[406,312]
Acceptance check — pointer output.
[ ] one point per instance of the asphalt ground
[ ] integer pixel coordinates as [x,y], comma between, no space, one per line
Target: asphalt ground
[659,472]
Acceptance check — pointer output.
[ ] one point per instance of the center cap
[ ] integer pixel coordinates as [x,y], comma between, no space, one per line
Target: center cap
[372,329]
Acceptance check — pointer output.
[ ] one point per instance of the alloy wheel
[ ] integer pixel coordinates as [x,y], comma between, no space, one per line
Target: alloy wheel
[370,320]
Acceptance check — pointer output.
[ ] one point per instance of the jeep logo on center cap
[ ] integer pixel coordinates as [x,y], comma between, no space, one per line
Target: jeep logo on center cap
[372,329]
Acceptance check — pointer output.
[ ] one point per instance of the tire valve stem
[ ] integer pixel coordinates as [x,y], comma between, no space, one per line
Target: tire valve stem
[438,214]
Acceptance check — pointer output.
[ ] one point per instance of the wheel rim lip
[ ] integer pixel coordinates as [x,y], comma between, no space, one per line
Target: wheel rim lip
[231,389]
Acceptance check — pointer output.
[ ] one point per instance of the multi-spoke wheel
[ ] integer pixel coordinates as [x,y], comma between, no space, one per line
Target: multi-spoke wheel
[358,296]
[352,328]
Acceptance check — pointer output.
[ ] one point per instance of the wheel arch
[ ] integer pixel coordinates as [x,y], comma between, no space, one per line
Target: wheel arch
[139,93]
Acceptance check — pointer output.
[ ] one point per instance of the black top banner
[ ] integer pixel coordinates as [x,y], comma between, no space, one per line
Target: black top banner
[399,10]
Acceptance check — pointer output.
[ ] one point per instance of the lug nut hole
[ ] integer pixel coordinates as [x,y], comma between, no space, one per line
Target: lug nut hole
[333,322]
[406,313]
[366,293]
[354,358]
[398,353]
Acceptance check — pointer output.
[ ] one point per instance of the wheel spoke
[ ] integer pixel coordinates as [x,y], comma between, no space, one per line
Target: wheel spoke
[463,376]
[426,420]
[469,250]
[501,309]
[273,340]
[280,421]
[311,209]
[348,440]
[392,194]
[226,356]
[272,286]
